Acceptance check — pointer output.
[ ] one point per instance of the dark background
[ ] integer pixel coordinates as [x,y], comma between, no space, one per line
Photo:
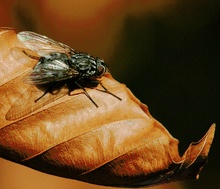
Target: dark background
[171,62]
[168,54]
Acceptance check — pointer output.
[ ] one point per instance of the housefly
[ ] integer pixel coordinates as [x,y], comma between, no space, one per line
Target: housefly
[59,70]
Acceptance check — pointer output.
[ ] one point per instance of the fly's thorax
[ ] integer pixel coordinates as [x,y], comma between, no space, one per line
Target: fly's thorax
[88,66]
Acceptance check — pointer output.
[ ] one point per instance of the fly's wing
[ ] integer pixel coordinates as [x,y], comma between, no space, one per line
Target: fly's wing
[51,78]
[37,46]
[50,72]
[46,77]
[42,44]
[28,102]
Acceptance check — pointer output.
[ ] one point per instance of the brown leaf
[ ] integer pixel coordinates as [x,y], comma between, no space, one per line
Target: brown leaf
[117,144]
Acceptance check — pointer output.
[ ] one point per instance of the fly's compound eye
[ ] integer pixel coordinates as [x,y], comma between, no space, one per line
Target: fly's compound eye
[101,68]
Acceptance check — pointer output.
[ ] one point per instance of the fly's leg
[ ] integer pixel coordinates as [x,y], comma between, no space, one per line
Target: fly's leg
[107,91]
[85,92]
[50,90]
[29,55]
[45,92]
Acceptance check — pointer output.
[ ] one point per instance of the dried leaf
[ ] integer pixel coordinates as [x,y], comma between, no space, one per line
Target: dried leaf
[118,144]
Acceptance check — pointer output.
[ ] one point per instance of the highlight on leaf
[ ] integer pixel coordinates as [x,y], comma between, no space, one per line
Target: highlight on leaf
[117,144]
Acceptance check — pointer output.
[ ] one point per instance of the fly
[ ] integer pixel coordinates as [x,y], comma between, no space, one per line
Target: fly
[58,66]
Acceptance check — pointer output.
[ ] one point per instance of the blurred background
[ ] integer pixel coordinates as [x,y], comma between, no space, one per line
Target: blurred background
[166,52]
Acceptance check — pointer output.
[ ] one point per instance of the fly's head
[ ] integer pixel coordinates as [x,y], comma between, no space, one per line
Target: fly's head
[88,66]
[101,67]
